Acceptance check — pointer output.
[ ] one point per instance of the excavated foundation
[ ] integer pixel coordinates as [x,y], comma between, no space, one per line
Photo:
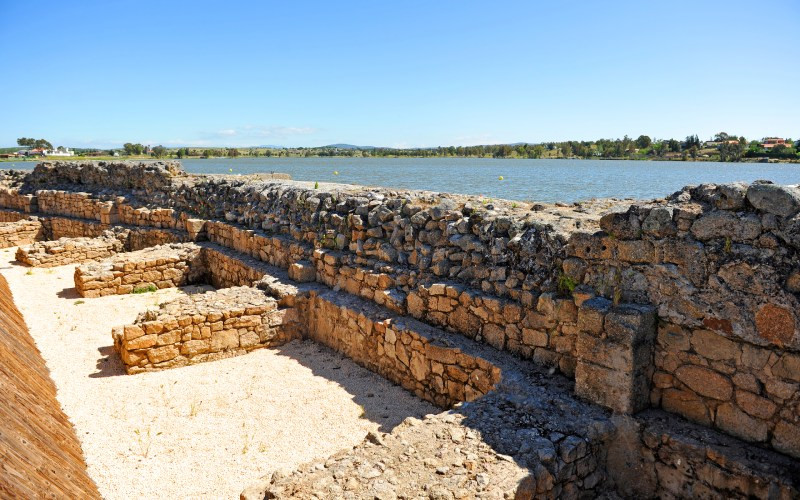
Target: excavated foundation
[676,376]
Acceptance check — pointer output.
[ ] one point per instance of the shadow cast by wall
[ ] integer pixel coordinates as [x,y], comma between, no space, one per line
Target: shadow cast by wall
[109,364]
[68,293]
[359,382]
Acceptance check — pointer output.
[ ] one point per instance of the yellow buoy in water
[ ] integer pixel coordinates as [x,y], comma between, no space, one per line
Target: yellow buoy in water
[335,172]
[230,170]
[500,178]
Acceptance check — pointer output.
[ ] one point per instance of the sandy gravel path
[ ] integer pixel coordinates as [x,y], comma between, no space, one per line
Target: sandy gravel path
[207,430]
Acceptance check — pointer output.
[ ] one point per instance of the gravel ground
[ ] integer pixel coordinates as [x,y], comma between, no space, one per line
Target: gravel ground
[207,430]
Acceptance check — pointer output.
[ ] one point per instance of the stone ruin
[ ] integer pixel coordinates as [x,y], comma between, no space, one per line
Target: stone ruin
[637,349]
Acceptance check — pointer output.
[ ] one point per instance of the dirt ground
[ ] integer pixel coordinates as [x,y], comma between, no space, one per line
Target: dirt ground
[207,430]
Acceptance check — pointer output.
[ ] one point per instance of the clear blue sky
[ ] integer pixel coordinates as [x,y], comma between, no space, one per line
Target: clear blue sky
[395,73]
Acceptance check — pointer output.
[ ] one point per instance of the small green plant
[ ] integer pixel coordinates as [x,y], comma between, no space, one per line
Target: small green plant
[728,244]
[194,408]
[514,205]
[79,302]
[145,440]
[566,285]
[248,438]
[144,288]
[316,185]
[617,296]
[30,272]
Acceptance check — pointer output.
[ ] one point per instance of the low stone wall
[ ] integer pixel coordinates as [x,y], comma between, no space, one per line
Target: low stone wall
[21,232]
[145,175]
[12,216]
[140,238]
[225,268]
[64,227]
[658,455]
[11,198]
[165,266]
[403,350]
[274,250]
[202,327]
[65,251]
[746,390]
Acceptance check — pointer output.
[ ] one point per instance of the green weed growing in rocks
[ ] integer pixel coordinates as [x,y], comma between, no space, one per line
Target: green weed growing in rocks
[144,288]
[566,285]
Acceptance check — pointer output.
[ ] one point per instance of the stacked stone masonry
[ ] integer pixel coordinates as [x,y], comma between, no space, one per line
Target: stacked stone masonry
[20,232]
[201,327]
[65,251]
[717,264]
[166,266]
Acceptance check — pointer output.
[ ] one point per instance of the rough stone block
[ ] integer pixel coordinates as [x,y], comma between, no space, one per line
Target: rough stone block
[622,392]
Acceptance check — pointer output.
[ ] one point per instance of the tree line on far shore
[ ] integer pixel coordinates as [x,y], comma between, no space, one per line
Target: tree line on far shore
[722,147]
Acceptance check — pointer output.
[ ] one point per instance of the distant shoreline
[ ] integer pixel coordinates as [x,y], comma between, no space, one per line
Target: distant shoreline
[246,157]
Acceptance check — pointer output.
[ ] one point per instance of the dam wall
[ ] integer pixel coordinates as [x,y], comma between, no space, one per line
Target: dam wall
[688,304]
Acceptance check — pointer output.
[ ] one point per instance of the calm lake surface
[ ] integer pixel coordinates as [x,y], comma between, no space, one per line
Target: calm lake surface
[530,180]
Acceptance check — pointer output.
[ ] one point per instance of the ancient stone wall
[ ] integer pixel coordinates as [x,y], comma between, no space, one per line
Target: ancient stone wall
[743,389]
[658,455]
[11,198]
[201,327]
[12,216]
[718,263]
[21,232]
[274,250]
[65,227]
[65,251]
[225,268]
[404,350]
[165,266]
[100,175]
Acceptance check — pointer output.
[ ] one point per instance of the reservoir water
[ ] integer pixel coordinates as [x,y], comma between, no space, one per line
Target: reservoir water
[529,180]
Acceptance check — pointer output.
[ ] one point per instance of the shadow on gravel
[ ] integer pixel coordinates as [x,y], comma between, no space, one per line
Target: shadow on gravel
[357,381]
[68,293]
[109,365]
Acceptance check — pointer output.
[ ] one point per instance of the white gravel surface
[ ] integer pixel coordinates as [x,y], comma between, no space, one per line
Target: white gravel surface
[207,430]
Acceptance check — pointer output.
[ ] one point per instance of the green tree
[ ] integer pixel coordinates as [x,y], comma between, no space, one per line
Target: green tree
[731,152]
[159,151]
[722,136]
[674,146]
[643,141]
[34,143]
[692,141]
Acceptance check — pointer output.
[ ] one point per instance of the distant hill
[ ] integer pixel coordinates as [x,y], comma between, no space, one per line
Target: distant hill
[347,146]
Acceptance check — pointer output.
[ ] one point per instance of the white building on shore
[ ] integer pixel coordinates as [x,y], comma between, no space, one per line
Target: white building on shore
[59,151]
